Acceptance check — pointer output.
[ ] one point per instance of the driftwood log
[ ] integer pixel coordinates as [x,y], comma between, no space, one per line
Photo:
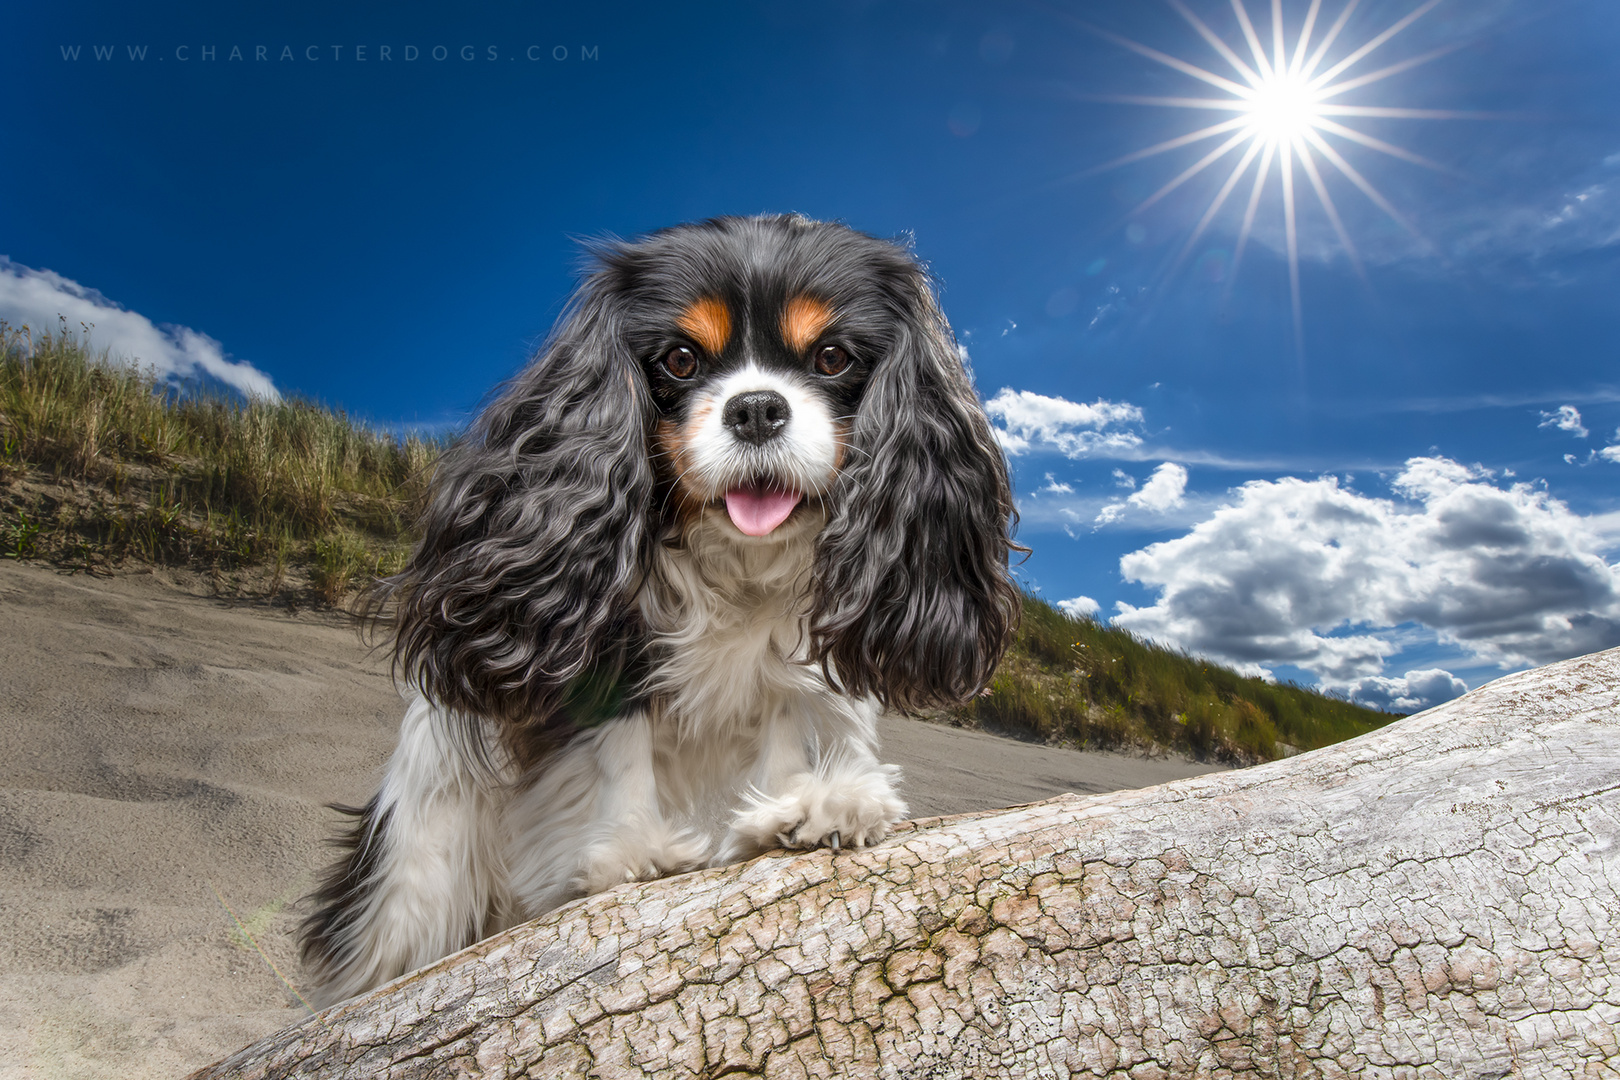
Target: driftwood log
[1439,898]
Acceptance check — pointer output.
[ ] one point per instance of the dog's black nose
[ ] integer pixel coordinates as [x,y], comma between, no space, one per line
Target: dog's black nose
[757,416]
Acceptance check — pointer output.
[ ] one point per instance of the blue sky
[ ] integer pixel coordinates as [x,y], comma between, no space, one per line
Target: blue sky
[1408,490]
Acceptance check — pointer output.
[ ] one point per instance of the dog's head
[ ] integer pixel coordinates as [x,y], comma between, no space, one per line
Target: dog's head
[757,375]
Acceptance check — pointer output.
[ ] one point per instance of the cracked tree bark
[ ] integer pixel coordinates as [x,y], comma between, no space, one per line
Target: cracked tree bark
[1440,898]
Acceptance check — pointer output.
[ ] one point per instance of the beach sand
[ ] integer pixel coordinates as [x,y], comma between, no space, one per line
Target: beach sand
[165,758]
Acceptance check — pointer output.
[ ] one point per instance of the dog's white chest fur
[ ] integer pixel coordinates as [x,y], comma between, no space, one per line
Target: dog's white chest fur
[742,747]
[727,616]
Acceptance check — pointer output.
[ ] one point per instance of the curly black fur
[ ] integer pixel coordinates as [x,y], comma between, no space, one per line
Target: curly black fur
[536,529]
[913,602]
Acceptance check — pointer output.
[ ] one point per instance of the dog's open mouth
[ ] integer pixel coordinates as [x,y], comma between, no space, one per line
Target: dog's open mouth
[759,507]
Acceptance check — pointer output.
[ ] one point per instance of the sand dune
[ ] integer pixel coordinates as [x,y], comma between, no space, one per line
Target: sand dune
[165,754]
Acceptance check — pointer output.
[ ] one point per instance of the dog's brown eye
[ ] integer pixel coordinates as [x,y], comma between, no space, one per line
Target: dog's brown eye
[831,360]
[680,362]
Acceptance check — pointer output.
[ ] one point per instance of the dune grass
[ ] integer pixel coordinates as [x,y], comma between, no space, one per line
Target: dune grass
[103,464]
[1078,682]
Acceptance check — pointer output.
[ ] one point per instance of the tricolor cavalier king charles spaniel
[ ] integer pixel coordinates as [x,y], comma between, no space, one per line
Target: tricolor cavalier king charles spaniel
[743,501]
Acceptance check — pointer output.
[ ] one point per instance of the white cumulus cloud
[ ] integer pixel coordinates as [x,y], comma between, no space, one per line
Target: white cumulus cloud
[1412,692]
[1165,490]
[1565,418]
[1028,421]
[37,298]
[1081,607]
[1306,572]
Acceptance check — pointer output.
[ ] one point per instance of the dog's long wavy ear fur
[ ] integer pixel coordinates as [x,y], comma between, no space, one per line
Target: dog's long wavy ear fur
[536,530]
[912,600]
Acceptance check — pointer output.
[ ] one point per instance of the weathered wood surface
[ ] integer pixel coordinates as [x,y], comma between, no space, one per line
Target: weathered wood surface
[1441,898]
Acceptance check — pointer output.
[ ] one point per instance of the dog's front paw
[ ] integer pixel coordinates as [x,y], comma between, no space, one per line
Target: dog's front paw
[639,854]
[841,811]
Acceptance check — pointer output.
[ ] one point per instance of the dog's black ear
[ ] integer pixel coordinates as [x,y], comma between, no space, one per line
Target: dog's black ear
[912,601]
[536,529]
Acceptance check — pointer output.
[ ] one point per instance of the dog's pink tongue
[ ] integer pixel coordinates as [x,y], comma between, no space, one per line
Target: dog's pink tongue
[757,510]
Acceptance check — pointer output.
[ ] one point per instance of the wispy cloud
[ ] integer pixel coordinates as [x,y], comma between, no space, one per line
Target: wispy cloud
[1547,212]
[1056,487]
[1075,514]
[42,299]
[1600,395]
[1029,422]
[1565,418]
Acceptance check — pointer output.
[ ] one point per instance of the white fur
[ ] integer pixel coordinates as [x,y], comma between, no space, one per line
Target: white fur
[803,456]
[439,875]
[744,748]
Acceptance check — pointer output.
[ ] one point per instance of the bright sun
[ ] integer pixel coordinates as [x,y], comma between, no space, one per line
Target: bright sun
[1283,107]
[1288,102]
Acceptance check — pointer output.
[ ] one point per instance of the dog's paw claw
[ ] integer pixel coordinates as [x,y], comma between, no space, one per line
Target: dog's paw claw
[813,812]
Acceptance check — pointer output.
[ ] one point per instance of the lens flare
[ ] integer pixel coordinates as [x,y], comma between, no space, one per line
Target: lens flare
[1287,109]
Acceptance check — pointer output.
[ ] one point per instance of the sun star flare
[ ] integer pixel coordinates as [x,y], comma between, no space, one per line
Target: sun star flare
[1288,108]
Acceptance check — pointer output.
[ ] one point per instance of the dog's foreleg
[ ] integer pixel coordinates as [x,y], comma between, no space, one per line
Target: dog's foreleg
[422,876]
[593,820]
[817,782]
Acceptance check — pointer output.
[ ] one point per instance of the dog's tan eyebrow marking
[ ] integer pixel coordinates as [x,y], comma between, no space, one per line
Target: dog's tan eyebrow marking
[709,323]
[804,318]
